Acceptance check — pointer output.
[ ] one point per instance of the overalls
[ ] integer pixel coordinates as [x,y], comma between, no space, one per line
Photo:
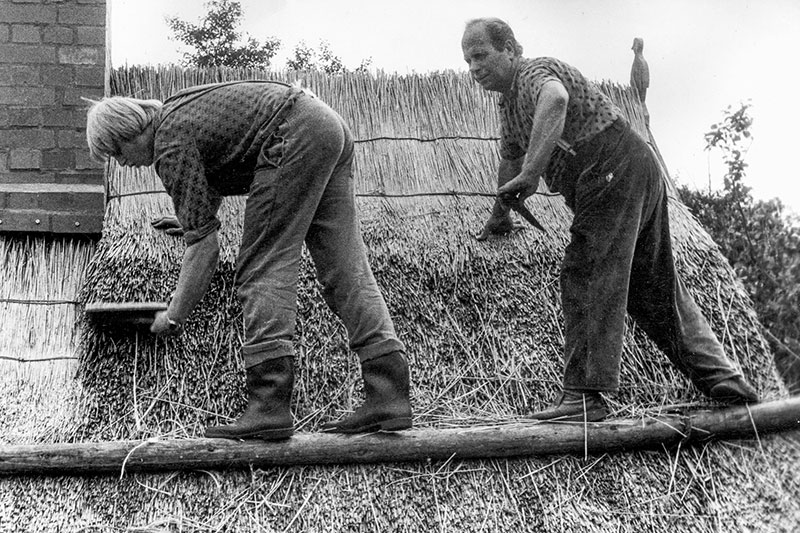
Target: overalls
[620,258]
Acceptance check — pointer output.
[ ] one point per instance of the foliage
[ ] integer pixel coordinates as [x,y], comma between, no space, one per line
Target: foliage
[728,136]
[306,58]
[759,239]
[217,42]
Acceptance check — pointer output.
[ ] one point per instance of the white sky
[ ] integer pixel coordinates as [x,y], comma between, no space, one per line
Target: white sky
[704,55]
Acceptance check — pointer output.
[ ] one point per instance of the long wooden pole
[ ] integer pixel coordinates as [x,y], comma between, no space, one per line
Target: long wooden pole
[504,440]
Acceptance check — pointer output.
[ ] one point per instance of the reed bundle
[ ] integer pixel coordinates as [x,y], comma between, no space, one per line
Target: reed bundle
[483,327]
[39,285]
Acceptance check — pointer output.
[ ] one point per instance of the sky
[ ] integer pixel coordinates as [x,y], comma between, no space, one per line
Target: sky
[704,56]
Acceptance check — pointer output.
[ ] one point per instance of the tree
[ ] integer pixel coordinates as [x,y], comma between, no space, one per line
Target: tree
[303,57]
[758,238]
[306,58]
[729,136]
[217,42]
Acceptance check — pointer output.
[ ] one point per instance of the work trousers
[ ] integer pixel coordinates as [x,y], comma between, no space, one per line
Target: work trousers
[303,192]
[620,258]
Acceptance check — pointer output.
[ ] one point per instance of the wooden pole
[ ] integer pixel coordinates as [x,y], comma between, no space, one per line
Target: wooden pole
[504,440]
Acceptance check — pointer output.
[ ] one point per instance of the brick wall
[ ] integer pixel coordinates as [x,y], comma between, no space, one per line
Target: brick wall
[52,53]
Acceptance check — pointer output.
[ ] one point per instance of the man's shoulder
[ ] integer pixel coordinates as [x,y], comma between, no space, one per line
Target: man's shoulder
[548,64]
[230,86]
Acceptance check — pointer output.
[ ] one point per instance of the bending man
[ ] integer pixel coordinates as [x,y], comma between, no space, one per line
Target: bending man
[293,156]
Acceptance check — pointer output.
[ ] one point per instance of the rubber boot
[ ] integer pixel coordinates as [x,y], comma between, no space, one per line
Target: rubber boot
[575,406]
[267,415]
[387,406]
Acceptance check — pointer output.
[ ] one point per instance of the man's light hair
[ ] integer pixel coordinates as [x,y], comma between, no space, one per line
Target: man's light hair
[498,32]
[112,120]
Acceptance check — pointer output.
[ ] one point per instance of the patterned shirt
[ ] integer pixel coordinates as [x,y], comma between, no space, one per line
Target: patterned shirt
[207,142]
[589,111]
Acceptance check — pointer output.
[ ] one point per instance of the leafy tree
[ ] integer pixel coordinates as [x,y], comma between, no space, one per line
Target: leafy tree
[759,239]
[303,58]
[729,136]
[217,41]
[306,58]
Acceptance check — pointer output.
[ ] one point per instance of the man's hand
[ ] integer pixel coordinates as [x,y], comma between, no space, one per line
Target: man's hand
[163,326]
[168,225]
[497,226]
[518,189]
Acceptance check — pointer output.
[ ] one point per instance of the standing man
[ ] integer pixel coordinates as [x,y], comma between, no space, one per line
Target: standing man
[557,125]
[293,156]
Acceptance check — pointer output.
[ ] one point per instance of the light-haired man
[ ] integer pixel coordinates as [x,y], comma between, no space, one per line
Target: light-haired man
[292,155]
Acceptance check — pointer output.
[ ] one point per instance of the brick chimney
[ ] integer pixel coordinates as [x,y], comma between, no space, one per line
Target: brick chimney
[52,53]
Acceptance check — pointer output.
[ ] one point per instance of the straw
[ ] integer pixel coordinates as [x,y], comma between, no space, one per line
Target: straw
[484,330]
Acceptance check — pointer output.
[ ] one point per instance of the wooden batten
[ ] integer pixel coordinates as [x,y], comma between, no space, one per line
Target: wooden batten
[498,441]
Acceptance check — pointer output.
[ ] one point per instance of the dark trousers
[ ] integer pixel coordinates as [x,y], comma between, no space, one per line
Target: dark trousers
[303,191]
[620,258]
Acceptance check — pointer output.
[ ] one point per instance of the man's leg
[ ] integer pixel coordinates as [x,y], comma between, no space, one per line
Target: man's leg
[664,309]
[292,176]
[608,204]
[349,287]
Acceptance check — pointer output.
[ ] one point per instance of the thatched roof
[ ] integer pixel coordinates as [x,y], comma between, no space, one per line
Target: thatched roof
[481,321]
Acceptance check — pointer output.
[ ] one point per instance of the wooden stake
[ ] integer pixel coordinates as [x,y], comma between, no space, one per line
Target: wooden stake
[508,440]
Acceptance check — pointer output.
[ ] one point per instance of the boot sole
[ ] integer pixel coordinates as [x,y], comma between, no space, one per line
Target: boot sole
[265,434]
[393,424]
[734,399]
[593,415]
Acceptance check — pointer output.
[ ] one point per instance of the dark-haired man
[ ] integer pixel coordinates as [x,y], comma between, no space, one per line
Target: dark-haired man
[557,125]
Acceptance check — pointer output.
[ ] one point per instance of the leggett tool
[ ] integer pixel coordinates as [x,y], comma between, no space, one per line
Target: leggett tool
[136,315]
[517,204]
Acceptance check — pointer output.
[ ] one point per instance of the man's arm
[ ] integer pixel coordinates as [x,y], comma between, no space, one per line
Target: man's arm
[507,170]
[499,222]
[548,125]
[198,267]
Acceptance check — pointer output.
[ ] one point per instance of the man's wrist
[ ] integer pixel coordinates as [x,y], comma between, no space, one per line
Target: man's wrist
[500,209]
[174,325]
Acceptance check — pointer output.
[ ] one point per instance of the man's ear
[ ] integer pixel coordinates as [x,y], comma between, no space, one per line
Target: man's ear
[509,47]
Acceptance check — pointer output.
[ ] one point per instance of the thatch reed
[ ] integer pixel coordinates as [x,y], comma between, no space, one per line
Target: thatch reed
[39,308]
[483,327]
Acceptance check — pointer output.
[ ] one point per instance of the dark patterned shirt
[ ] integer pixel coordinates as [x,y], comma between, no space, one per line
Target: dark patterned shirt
[589,111]
[207,142]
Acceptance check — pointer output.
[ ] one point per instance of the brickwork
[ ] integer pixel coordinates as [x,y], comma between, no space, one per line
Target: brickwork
[52,53]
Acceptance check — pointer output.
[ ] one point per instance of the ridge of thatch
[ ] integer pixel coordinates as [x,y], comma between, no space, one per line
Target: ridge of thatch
[482,324]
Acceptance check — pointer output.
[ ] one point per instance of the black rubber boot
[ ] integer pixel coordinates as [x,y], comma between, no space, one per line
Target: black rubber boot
[575,406]
[387,406]
[733,390]
[267,415]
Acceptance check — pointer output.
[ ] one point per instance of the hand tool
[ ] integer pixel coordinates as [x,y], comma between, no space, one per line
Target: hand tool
[136,315]
[517,204]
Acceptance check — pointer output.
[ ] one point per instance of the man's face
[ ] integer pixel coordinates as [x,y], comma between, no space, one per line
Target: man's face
[493,69]
[136,152]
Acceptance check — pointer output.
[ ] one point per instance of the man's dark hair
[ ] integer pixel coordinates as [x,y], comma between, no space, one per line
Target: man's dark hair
[498,32]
